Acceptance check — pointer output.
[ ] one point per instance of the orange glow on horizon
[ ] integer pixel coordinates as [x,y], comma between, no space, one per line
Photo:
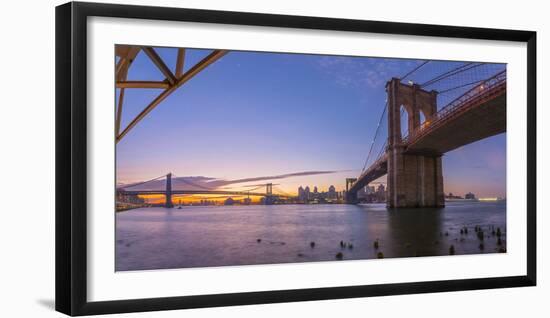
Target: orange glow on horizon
[188,199]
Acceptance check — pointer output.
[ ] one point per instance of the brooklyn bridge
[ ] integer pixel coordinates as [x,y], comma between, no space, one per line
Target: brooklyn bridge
[424,119]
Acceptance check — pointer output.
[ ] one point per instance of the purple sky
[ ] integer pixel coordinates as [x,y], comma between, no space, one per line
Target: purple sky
[259,115]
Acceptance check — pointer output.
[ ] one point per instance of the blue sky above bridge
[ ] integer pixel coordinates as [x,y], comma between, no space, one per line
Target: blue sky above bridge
[254,114]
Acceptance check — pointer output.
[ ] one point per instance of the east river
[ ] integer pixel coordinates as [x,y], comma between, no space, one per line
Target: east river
[200,236]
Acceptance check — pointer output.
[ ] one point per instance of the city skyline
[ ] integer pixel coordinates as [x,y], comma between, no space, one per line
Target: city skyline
[301,193]
[300,113]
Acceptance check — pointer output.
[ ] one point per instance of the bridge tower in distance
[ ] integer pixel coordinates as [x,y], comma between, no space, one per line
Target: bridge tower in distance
[269,198]
[169,203]
[351,196]
[413,179]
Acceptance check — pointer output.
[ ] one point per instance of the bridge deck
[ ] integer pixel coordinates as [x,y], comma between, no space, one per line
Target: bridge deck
[475,120]
[375,171]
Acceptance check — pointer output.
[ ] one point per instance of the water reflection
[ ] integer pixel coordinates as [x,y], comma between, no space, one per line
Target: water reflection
[156,238]
[414,232]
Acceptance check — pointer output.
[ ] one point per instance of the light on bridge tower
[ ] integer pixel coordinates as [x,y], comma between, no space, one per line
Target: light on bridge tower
[169,203]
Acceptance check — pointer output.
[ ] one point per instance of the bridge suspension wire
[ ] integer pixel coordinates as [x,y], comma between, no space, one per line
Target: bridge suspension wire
[375,136]
[131,185]
[461,86]
[429,82]
[254,189]
[282,192]
[182,179]
[383,148]
[381,152]
[455,71]
[414,70]
[473,88]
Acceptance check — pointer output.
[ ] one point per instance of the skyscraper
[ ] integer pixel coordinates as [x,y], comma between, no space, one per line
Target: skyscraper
[301,194]
[306,193]
[332,192]
[381,192]
[470,196]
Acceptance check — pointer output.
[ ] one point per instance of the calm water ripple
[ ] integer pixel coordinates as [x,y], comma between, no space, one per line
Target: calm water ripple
[159,238]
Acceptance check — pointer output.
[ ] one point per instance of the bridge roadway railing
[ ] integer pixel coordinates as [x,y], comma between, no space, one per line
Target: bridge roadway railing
[481,92]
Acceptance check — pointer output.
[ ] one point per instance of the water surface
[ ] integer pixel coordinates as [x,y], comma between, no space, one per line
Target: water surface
[200,236]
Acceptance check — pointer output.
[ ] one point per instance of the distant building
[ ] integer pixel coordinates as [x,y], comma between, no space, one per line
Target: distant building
[362,193]
[301,194]
[381,193]
[229,201]
[332,193]
[129,198]
[381,189]
[370,189]
[470,196]
[451,196]
[307,194]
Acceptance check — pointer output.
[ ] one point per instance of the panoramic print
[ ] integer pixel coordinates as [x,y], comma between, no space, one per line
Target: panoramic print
[228,158]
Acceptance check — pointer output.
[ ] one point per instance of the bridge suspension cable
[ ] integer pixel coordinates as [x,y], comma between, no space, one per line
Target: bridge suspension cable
[375,136]
[131,185]
[381,152]
[484,81]
[256,188]
[461,86]
[182,179]
[413,70]
[428,82]
[282,192]
[455,71]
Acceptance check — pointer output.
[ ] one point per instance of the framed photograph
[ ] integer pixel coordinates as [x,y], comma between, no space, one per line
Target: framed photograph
[210,158]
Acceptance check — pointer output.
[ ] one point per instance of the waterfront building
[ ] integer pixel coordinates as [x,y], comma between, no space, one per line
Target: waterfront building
[451,196]
[301,194]
[307,194]
[362,194]
[332,193]
[470,196]
[316,196]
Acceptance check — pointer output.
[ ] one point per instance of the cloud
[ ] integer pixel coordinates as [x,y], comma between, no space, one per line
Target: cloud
[209,183]
[363,72]
[282,176]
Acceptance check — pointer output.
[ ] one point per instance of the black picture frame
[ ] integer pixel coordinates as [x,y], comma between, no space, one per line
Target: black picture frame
[71,157]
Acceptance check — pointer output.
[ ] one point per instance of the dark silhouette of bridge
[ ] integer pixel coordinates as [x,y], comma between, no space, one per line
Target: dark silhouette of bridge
[412,163]
[269,196]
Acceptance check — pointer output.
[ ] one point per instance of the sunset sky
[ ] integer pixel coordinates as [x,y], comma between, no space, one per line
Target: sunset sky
[252,115]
